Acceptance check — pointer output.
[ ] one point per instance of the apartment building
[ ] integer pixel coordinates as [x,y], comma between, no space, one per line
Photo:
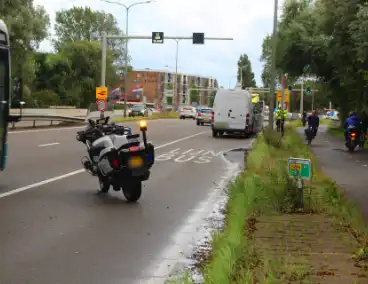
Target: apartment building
[157,86]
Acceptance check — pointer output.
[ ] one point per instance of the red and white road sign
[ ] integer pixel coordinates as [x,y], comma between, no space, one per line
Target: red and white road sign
[101,105]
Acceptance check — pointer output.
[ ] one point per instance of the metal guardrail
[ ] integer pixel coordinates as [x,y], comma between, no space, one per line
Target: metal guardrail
[51,118]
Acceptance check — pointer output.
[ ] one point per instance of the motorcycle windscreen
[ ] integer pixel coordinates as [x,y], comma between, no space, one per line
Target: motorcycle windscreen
[93,112]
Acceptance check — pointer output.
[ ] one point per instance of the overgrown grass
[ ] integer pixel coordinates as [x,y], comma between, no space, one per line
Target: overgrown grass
[266,189]
[164,115]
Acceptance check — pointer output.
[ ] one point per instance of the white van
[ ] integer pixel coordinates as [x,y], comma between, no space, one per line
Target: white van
[232,112]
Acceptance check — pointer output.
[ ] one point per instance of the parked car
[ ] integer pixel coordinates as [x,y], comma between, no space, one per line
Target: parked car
[138,110]
[204,115]
[188,112]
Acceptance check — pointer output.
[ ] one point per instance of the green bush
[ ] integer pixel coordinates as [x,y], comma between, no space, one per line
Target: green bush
[45,98]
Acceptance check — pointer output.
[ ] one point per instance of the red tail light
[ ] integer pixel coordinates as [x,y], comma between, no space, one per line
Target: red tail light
[247,119]
[213,115]
[115,164]
[353,134]
[135,148]
[199,114]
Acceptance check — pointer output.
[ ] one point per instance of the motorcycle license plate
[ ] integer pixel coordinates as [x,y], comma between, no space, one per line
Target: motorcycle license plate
[135,162]
[352,138]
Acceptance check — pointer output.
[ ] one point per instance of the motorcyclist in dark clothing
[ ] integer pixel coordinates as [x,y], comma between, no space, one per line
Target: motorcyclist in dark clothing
[313,122]
[304,118]
[352,120]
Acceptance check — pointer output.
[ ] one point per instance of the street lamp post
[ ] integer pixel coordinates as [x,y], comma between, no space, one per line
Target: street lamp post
[273,65]
[127,8]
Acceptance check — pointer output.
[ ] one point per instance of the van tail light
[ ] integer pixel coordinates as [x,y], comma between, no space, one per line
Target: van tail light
[213,115]
[247,119]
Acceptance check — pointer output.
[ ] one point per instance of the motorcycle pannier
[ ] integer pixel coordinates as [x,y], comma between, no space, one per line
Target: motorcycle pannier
[105,163]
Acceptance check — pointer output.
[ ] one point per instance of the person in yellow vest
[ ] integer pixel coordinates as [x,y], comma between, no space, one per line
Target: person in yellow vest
[281,115]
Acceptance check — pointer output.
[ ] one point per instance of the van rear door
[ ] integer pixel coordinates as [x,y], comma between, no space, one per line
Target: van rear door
[237,113]
[220,109]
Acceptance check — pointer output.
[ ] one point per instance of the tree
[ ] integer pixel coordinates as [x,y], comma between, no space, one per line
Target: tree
[211,99]
[194,94]
[45,98]
[85,60]
[245,74]
[27,26]
[84,24]
[318,38]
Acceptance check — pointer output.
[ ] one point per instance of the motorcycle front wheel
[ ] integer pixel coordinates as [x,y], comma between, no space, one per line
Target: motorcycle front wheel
[133,191]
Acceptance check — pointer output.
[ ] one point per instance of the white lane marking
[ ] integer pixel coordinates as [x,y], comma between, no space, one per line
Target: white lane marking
[49,144]
[50,180]
[181,139]
[40,183]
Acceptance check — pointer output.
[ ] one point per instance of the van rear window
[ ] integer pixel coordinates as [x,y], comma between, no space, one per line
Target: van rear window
[206,111]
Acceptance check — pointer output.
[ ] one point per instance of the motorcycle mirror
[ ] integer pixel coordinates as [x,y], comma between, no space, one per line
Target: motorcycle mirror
[77,137]
[91,122]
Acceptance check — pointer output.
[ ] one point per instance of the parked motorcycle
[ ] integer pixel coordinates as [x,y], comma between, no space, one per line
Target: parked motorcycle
[117,157]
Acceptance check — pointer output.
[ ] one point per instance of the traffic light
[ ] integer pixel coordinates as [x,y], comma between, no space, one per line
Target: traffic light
[308,91]
[198,38]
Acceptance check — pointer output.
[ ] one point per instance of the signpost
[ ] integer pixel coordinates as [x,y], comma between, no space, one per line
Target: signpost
[286,96]
[157,37]
[101,105]
[300,169]
[102,94]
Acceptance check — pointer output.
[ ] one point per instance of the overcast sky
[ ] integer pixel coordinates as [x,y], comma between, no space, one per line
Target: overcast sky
[247,21]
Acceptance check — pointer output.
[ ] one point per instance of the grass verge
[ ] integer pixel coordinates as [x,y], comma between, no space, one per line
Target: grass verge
[164,115]
[266,239]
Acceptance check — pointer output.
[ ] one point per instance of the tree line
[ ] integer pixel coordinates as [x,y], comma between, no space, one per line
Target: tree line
[69,75]
[324,42]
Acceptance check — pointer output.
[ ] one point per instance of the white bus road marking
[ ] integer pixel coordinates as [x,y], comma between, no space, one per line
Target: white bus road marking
[49,144]
[196,156]
[50,180]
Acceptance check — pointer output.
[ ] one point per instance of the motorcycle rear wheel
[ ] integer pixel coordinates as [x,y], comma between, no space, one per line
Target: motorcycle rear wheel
[132,192]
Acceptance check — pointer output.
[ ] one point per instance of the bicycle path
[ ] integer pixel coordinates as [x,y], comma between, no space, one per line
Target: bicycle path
[348,169]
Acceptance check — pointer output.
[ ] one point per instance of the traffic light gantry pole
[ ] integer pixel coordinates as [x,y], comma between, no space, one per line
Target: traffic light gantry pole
[157,38]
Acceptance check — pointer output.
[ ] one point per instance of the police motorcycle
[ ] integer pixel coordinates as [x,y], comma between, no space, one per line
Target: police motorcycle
[117,157]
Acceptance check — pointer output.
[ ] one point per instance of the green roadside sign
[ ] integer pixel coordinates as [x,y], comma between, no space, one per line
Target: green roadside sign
[300,168]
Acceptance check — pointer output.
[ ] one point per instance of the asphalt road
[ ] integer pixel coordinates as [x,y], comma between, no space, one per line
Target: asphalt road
[348,169]
[55,229]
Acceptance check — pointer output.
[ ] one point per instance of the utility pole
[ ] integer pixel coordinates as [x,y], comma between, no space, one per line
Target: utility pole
[176,94]
[150,37]
[273,66]
[302,97]
[127,8]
